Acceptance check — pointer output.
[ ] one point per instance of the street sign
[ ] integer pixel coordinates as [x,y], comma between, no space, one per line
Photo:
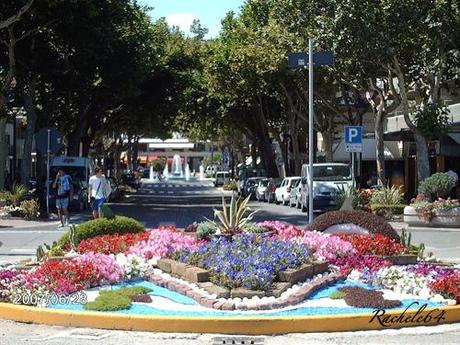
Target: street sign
[300,59]
[41,140]
[354,138]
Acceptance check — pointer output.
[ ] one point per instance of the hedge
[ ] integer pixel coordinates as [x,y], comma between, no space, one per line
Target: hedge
[102,226]
[366,220]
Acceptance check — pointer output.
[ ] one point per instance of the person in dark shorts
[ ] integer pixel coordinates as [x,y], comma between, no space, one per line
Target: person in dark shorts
[63,184]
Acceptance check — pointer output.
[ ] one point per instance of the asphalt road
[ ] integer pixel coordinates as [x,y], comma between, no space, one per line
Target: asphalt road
[181,203]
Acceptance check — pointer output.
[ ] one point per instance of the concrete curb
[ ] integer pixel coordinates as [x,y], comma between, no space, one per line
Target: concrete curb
[228,325]
[29,226]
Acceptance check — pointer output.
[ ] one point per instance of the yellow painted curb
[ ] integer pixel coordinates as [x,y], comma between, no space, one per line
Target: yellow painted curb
[233,325]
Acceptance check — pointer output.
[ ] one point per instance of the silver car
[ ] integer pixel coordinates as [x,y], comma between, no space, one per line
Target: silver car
[294,200]
[260,190]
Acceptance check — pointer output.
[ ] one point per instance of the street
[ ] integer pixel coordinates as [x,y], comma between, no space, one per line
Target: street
[181,203]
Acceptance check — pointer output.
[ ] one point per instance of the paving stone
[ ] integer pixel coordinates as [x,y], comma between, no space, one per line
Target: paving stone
[228,306]
[241,293]
[197,275]
[320,267]
[219,291]
[295,275]
[218,305]
[278,289]
[165,265]
[178,268]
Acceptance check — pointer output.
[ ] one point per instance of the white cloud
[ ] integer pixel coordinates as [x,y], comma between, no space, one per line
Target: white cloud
[182,20]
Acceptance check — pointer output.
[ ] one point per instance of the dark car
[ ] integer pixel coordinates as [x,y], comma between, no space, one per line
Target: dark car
[130,179]
[271,188]
[250,186]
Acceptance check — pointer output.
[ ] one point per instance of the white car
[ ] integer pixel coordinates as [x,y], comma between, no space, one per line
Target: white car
[328,178]
[283,192]
[260,190]
[294,200]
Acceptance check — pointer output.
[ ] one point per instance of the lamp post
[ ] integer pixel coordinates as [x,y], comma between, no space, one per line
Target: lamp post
[298,60]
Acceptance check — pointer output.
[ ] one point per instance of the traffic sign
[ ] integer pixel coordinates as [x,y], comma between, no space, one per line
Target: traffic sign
[41,140]
[300,59]
[354,138]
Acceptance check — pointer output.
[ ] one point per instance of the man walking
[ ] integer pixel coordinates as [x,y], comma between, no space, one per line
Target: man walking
[63,183]
[98,191]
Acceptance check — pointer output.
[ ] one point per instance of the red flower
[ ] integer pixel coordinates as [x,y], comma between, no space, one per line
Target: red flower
[373,244]
[447,286]
[112,244]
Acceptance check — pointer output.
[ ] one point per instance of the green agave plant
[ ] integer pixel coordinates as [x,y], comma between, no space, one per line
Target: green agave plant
[231,219]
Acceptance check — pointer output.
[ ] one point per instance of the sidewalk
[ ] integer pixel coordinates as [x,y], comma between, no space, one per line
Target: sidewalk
[22,223]
[404,226]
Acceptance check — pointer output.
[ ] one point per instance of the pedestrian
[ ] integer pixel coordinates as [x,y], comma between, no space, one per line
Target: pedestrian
[63,184]
[98,191]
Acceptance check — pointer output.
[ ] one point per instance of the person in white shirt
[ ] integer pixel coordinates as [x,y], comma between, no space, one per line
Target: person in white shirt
[98,192]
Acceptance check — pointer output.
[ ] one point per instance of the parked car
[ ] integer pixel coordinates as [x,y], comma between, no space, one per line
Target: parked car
[222,177]
[283,192]
[327,179]
[271,188]
[294,196]
[115,195]
[260,189]
[250,187]
[130,179]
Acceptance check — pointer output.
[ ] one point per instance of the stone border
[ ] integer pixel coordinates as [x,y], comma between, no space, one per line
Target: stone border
[197,275]
[208,298]
[225,325]
[403,259]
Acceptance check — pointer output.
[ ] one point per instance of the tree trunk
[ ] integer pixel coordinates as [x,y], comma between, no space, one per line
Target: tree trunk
[380,149]
[3,147]
[268,158]
[135,153]
[328,142]
[296,153]
[73,143]
[29,133]
[423,162]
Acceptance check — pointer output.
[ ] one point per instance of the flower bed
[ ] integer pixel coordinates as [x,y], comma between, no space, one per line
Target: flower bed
[248,261]
[373,244]
[372,223]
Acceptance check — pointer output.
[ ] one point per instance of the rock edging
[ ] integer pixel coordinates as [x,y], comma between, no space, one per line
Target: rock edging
[202,296]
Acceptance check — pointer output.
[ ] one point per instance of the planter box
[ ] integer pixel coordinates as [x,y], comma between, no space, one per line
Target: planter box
[402,259]
[242,293]
[447,219]
[196,274]
[295,275]
[320,267]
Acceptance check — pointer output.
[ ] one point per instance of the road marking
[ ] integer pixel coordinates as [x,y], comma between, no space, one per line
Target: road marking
[170,192]
[23,250]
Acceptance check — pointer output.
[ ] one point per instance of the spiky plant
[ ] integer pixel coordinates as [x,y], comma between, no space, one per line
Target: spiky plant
[18,191]
[231,219]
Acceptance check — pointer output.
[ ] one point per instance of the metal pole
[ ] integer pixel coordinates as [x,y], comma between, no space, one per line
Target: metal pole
[310,130]
[353,175]
[48,173]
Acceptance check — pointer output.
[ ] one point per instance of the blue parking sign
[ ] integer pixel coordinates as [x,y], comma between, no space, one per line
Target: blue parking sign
[353,138]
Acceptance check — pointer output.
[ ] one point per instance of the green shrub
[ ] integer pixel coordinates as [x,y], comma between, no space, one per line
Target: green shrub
[232,185]
[254,228]
[387,211]
[109,301]
[30,209]
[120,299]
[337,295]
[346,193]
[129,291]
[388,196]
[437,185]
[102,226]
[371,222]
[18,191]
[205,230]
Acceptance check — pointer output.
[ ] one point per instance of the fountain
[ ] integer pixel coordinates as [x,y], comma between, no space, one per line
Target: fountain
[201,172]
[176,168]
[187,172]
[151,173]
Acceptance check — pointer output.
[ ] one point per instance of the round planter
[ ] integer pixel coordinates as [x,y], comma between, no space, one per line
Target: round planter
[446,219]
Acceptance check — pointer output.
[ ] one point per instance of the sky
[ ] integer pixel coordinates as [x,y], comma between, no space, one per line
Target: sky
[181,13]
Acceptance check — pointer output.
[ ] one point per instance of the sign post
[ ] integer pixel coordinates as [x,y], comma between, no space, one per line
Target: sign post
[353,143]
[48,152]
[299,60]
